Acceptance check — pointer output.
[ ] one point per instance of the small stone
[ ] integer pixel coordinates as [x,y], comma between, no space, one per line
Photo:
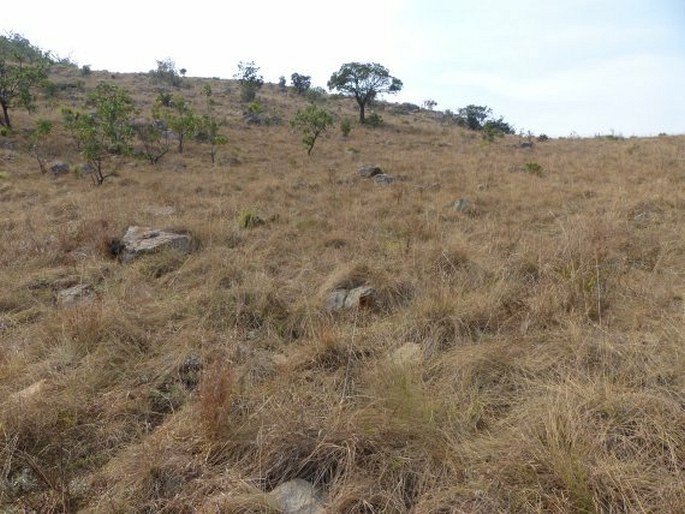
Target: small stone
[369,171]
[383,179]
[73,295]
[463,205]
[59,168]
[297,497]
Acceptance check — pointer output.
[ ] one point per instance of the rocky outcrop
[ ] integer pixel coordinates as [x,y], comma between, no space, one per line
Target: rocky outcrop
[343,299]
[369,171]
[145,240]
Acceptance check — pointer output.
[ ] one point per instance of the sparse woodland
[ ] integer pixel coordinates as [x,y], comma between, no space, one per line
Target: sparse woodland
[520,345]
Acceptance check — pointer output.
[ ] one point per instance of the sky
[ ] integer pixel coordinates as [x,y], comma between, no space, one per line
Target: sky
[558,67]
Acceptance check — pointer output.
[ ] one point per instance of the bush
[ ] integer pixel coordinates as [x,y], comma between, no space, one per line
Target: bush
[301,83]
[85,70]
[166,73]
[374,120]
[313,121]
[345,127]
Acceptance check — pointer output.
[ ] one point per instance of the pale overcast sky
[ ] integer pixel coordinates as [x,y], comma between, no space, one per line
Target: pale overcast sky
[549,66]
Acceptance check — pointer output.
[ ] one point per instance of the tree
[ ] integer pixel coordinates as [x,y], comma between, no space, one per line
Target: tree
[22,68]
[209,128]
[249,79]
[154,140]
[473,116]
[104,131]
[166,72]
[37,142]
[430,104]
[300,82]
[178,115]
[312,121]
[364,81]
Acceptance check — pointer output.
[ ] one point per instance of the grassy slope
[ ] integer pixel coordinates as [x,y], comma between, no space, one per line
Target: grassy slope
[549,317]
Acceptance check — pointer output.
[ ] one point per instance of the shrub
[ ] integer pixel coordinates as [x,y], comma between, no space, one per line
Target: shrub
[85,70]
[374,120]
[301,83]
[345,127]
[166,73]
[534,168]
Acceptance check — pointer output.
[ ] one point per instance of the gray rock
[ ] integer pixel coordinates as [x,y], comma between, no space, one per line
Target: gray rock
[383,179]
[144,240]
[463,205]
[75,294]
[297,497]
[409,354]
[59,168]
[86,169]
[369,171]
[343,299]
[525,144]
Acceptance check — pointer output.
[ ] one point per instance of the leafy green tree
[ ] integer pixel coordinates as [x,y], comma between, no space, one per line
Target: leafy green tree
[364,81]
[178,115]
[104,131]
[312,121]
[249,79]
[301,83]
[23,67]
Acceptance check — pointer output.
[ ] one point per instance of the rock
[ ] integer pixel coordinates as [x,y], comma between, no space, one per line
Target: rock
[29,392]
[383,179]
[86,169]
[73,295]
[409,354]
[463,205]
[525,144]
[297,497]
[342,299]
[59,168]
[368,171]
[166,210]
[143,240]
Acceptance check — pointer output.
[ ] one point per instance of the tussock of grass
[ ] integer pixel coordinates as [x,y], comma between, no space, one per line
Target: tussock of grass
[524,355]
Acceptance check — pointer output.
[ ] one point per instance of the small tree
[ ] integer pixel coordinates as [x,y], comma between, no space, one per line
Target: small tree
[23,67]
[282,85]
[364,81]
[312,121]
[178,115]
[473,116]
[249,79]
[104,131]
[153,139]
[301,83]
[430,104]
[37,142]
[209,128]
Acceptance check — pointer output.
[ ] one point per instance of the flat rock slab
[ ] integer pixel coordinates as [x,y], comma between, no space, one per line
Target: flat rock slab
[369,171]
[297,497]
[144,240]
[383,179]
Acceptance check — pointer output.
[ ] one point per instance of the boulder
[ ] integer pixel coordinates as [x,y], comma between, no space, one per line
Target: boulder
[368,171]
[144,240]
[297,497]
[463,205]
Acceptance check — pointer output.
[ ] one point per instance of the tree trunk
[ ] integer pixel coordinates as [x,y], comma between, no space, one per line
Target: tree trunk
[362,105]
[6,117]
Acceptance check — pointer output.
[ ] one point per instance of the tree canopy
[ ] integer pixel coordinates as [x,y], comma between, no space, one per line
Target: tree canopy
[364,81]
[22,67]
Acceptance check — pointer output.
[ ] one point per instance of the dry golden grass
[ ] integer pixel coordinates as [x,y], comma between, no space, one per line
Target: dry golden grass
[548,319]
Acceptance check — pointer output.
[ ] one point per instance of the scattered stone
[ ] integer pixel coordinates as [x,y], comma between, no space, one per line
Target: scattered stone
[383,179]
[409,354]
[165,210]
[463,205]
[73,295]
[297,497]
[369,171]
[525,144]
[29,392]
[357,297]
[143,240]
[59,168]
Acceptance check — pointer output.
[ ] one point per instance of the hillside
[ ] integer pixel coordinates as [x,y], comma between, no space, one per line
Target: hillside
[515,343]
